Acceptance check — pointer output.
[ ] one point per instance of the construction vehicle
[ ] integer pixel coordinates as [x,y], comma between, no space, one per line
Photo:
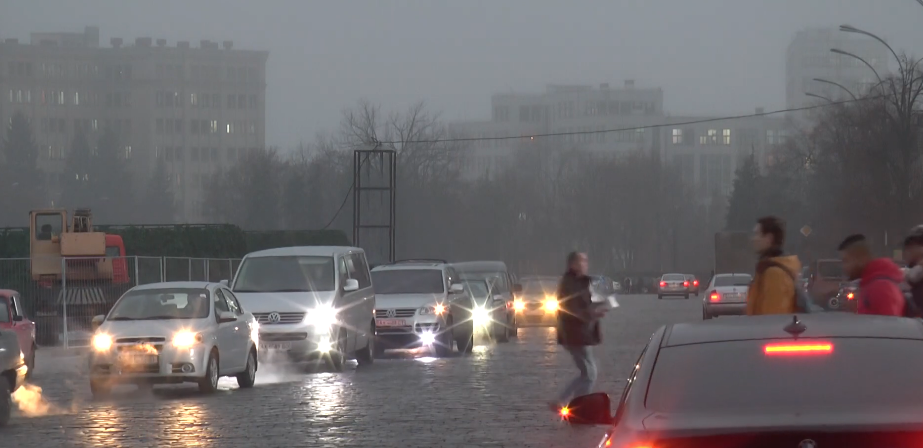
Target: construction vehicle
[78,272]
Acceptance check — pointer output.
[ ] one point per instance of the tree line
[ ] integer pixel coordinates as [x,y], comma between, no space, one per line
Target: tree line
[96,175]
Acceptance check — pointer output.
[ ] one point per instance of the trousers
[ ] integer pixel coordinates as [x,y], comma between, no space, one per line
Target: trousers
[582,384]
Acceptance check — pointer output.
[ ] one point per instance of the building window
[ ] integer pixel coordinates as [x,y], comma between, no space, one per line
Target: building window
[230,127]
[677,136]
[712,136]
[253,102]
[726,137]
[158,127]
[178,126]
[128,152]
[205,100]
[241,101]
[216,101]
[194,154]
[232,154]
[193,126]
[214,152]
[232,101]
[770,137]
[193,100]
[523,113]
[214,126]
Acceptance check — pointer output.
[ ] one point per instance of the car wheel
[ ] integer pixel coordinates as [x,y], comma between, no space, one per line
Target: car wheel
[30,363]
[6,402]
[686,297]
[100,388]
[514,329]
[367,355]
[209,382]
[247,378]
[444,342]
[705,315]
[379,349]
[501,332]
[465,343]
[336,359]
[659,297]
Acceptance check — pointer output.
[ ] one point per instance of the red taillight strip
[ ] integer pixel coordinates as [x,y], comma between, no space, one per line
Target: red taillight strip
[790,348]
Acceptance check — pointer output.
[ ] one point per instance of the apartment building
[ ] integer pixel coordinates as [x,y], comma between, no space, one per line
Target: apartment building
[197,109]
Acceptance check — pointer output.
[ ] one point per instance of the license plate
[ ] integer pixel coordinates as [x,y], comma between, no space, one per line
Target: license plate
[275,346]
[135,359]
[390,322]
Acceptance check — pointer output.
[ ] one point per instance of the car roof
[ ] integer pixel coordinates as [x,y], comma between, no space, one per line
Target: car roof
[163,285]
[304,251]
[817,325]
[476,266]
[410,266]
[673,273]
[731,274]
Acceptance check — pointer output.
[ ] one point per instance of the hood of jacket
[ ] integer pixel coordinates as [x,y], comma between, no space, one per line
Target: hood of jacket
[881,267]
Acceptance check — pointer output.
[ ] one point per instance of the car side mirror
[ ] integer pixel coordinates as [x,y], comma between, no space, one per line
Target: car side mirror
[517,288]
[97,321]
[592,409]
[17,318]
[224,282]
[498,302]
[226,316]
[457,287]
[351,285]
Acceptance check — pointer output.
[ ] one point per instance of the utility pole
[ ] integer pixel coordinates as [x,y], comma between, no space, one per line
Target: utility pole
[374,202]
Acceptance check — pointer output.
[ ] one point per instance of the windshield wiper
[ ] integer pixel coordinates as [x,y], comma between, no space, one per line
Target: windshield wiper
[160,318]
[291,290]
[121,318]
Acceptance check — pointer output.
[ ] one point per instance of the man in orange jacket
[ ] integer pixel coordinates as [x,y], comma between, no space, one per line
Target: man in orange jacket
[774,281]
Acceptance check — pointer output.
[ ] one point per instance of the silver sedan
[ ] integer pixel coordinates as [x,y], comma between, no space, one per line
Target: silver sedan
[174,332]
[726,295]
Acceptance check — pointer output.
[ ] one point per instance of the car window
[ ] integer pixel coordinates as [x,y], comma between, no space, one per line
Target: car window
[221,303]
[232,302]
[752,379]
[16,306]
[477,289]
[499,281]
[4,312]
[408,281]
[47,225]
[733,280]
[359,270]
[286,274]
[674,277]
[166,303]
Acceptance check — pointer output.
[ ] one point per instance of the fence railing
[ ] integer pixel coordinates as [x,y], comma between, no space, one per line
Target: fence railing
[62,295]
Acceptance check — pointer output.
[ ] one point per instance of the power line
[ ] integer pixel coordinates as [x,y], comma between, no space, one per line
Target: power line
[607,131]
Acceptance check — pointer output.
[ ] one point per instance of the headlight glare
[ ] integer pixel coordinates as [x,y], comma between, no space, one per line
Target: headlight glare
[102,342]
[186,339]
[551,305]
[518,305]
[322,316]
[437,309]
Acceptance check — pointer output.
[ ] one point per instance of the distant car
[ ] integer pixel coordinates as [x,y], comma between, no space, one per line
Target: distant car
[774,381]
[13,371]
[673,285]
[503,286]
[693,284]
[825,281]
[846,298]
[538,302]
[726,295]
[13,318]
[174,332]
[490,314]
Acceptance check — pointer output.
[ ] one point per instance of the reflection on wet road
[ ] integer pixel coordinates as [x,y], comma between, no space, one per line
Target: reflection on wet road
[492,397]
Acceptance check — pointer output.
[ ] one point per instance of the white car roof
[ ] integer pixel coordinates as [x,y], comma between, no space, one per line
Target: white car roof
[164,285]
[410,266]
[304,251]
[732,275]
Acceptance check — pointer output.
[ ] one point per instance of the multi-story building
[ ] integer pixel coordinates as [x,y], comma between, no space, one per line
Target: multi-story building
[195,109]
[809,58]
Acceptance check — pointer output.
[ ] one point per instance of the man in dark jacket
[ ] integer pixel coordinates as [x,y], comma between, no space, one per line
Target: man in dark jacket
[913,256]
[578,326]
[879,278]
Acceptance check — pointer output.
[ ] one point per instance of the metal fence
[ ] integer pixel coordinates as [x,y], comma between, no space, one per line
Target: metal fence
[64,300]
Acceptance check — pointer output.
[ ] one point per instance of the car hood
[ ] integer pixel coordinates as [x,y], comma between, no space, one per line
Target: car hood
[153,328]
[283,302]
[406,300]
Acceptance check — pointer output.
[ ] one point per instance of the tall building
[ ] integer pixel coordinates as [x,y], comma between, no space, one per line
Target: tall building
[809,58]
[197,109]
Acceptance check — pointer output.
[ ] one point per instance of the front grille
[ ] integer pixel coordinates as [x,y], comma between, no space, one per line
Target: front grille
[398,313]
[284,318]
[533,305]
[144,368]
[282,337]
[423,328]
[140,348]
[149,340]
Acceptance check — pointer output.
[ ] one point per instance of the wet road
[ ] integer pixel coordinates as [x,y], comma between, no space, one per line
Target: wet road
[495,397]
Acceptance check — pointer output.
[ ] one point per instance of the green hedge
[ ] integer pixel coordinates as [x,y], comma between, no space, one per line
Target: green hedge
[197,241]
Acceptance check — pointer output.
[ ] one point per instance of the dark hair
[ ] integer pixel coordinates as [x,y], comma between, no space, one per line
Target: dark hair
[573,257]
[851,240]
[915,238]
[773,226]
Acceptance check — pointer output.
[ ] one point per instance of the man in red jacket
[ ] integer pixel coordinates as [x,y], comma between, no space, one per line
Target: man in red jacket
[879,278]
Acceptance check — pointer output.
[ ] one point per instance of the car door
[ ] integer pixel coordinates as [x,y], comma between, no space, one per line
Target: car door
[350,301]
[24,328]
[243,332]
[364,300]
[461,302]
[226,337]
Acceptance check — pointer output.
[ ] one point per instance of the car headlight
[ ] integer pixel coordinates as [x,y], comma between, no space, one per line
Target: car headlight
[551,304]
[437,309]
[518,305]
[186,339]
[322,316]
[102,342]
[480,314]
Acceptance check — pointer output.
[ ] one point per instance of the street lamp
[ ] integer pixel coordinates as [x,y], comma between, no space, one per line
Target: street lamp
[818,96]
[838,85]
[852,29]
[846,53]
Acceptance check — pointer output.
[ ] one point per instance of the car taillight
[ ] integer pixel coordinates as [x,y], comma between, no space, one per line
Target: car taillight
[714,296]
[807,348]
[850,296]
[686,283]
[695,283]
[663,284]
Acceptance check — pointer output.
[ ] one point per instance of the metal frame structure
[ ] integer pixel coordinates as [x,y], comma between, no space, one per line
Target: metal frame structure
[365,163]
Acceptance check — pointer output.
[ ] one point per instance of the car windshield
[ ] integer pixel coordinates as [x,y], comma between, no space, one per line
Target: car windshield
[733,280]
[539,287]
[830,269]
[674,277]
[172,303]
[749,378]
[477,289]
[497,280]
[286,274]
[4,312]
[408,281]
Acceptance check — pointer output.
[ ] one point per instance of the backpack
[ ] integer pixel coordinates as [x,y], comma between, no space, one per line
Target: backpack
[910,306]
[803,301]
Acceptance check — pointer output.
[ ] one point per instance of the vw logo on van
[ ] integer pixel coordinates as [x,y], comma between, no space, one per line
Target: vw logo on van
[274,318]
[391,313]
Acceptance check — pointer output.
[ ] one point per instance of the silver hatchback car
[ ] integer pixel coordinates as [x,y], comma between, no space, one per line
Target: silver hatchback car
[174,332]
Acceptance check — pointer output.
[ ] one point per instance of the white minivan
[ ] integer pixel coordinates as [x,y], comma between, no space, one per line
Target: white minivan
[311,303]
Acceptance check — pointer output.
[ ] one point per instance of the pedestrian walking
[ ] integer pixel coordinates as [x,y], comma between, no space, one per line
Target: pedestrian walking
[879,278]
[774,281]
[578,326]
[913,257]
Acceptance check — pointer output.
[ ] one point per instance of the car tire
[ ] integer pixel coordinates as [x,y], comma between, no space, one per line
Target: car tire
[705,315]
[247,378]
[100,388]
[379,349]
[465,343]
[513,330]
[30,364]
[659,297]
[209,382]
[686,297]
[336,359]
[501,332]
[444,342]
[367,355]
[6,401]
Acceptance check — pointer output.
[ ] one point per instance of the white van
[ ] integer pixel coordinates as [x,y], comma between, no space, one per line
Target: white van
[311,303]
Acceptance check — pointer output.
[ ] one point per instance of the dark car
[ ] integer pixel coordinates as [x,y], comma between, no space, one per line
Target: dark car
[502,286]
[776,381]
[846,298]
[693,284]
[537,304]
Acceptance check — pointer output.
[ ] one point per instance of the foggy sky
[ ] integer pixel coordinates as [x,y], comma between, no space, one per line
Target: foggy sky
[709,56]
